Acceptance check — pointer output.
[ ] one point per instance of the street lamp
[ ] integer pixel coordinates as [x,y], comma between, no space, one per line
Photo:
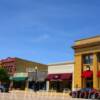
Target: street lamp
[36,69]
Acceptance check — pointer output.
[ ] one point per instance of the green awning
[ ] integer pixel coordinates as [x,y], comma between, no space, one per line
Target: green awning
[10,78]
[19,78]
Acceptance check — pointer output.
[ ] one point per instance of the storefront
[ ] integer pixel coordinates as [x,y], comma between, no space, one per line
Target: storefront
[37,80]
[87,63]
[60,81]
[19,69]
[20,81]
[60,76]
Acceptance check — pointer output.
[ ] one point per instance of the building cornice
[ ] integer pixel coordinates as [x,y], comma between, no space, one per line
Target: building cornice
[86,45]
[61,63]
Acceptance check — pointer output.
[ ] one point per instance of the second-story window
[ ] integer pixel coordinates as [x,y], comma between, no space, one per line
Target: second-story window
[88,59]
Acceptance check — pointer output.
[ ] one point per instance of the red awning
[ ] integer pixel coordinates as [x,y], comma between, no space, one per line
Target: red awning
[87,74]
[49,77]
[67,76]
[63,76]
[98,74]
[53,77]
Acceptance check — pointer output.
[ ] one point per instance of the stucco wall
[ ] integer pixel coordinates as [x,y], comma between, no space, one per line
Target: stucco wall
[60,68]
[67,67]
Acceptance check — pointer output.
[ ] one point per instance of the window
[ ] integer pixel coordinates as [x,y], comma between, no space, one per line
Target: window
[98,57]
[88,59]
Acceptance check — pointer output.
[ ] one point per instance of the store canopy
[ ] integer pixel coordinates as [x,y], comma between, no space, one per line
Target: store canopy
[19,78]
[63,76]
[67,76]
[98,74]
[87,74]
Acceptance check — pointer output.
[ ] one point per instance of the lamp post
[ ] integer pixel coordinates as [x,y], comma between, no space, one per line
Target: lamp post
[36,69]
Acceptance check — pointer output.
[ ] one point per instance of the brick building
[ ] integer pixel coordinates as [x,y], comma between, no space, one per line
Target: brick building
[21,70]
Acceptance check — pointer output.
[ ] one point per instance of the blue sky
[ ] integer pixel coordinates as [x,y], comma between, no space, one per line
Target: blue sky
[45,30]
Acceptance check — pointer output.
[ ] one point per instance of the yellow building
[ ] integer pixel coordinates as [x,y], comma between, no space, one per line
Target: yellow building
[87,63]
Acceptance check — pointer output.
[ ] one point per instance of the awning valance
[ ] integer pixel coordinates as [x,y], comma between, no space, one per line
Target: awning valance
[67,76]
[19,78]
[63,76]
[87,74]
[98,74]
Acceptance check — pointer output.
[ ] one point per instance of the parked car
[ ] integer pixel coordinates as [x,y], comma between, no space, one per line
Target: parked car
[95,94]
[4,88]
[88,93]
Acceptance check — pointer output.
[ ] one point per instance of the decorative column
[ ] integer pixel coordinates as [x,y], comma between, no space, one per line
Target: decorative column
[95,69]
[27,85]
[47,86]
[78,72]
[73,80]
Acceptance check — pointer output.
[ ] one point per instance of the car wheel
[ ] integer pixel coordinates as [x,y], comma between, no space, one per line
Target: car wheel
[93,96]
[73,95]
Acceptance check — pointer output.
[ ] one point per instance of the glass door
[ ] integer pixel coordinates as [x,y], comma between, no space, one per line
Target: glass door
[89,83]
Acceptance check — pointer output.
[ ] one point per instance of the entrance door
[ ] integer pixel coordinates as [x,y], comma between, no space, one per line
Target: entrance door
[89,83]
[56,85]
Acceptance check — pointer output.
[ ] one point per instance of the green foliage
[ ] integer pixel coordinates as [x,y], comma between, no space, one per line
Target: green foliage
[4,77]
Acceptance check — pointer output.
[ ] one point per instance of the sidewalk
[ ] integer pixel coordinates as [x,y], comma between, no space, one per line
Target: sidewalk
[43,93]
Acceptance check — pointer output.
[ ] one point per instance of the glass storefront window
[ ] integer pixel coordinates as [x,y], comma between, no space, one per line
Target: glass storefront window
[88,59]
[98,56]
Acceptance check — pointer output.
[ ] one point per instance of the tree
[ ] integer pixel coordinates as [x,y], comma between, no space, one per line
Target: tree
[4,77]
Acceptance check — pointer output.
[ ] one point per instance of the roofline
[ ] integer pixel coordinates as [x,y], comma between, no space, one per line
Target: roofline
[25,60]
[87,38]
[61,63]
[31,61]
[85,45]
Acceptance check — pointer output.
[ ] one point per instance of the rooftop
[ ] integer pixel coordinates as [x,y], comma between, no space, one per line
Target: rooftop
[89,40]
[61,63]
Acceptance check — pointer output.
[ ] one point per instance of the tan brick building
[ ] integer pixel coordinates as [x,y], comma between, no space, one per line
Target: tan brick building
[22,70]
[87,63]
[14,65]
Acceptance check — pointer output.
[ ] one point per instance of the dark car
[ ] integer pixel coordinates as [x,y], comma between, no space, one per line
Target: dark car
[82,93]
[88,93]
[4,88]
[95,94]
